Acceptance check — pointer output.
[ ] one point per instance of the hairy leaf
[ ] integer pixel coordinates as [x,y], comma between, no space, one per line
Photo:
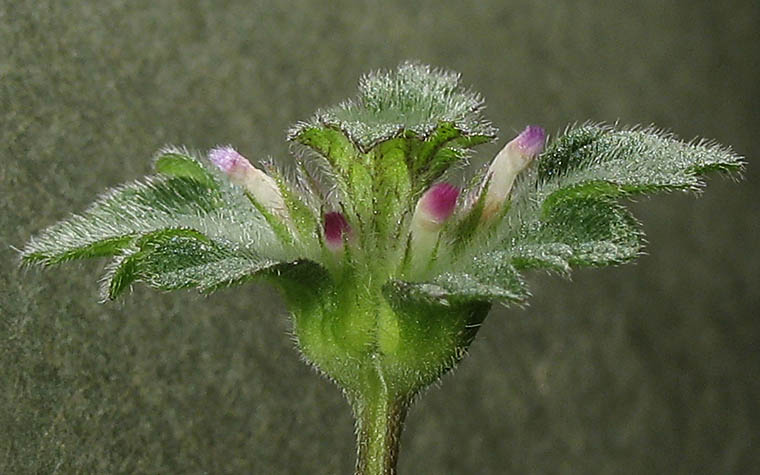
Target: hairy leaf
[126,213]
[566,214]
[173,259]
[583,231]
[177,163]
[393,182]
[413,98]
[328,141]
[593,160]
[489,278]
[421,113]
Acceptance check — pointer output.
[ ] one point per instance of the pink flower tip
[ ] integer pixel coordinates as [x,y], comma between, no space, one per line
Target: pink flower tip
[531,140]
[439,201]
[335,227]
[228,160]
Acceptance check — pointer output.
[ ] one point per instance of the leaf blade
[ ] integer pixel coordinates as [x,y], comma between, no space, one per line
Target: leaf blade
[129,211]
[179,164]
[179,258]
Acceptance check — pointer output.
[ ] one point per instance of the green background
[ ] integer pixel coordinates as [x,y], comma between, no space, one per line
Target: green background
[646,368]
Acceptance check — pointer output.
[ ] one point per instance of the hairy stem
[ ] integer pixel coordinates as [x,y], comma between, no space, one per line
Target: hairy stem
[379,422]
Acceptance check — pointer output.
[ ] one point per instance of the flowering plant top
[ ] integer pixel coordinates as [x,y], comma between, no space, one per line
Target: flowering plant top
[387,267]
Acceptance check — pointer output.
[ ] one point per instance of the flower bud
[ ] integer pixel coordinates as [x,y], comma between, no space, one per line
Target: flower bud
[433,209]
[261,186]
[335,228]
[509,162]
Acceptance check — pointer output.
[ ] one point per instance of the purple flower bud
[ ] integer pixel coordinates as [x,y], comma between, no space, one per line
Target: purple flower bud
[433,209]
[228,160]
[335,227]
[438,203]
[509,162]
[531,141]
[261,186]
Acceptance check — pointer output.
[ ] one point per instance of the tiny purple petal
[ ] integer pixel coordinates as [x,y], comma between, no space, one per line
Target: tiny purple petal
[335,226]
[228,160]
[531,140]
[439,201]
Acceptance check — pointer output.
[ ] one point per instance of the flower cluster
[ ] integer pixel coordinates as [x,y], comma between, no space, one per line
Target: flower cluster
[433,209]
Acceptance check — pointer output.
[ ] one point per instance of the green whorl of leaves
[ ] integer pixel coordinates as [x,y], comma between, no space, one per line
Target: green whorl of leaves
[389,144]
[565,213]
[187,227]
[180,228]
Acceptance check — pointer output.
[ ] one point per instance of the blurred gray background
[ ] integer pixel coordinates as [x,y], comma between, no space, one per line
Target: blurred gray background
[647,368]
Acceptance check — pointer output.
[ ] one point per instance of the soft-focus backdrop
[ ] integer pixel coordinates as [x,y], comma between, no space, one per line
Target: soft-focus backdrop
[646,368]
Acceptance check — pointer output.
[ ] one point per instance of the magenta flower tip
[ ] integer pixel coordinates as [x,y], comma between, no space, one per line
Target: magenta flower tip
[439,201]
[335,226]
[531,140]
[227,159]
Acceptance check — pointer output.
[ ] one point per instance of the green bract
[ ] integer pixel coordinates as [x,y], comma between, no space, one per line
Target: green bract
[381,327]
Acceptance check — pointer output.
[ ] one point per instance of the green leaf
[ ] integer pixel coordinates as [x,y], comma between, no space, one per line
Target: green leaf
[490,277]
[470,224]
[303,216]
[601,161]
[583,231]
[99,248]
[445,146]
[554,256]
[581,174]
[302,281]
[392,184]
[328,141]
[179,164]
[349,167]
[412,99]
[567,151]
[443,134]
[125,213]
[566,213]
[598,231]
[172,259]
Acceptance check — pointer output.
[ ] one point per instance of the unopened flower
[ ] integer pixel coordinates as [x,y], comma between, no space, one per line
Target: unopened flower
[433,209]
[336,229]
[261,186]
[509,162]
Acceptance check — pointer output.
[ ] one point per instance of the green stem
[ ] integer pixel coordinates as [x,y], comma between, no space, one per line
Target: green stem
[379,422]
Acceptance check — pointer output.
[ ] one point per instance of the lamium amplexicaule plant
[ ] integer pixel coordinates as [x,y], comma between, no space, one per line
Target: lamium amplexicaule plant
[387,266]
